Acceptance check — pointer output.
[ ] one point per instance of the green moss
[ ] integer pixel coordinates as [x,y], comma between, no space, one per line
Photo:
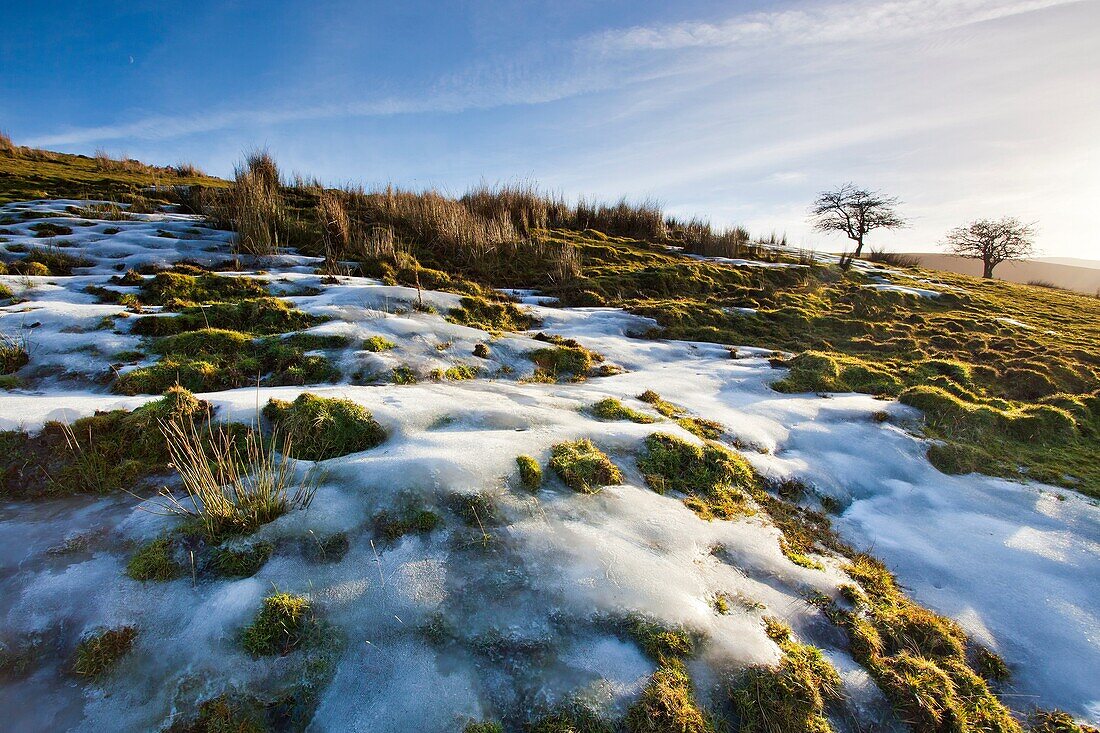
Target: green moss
[99,653]
[491,315]
[530,473]
[714,477]
[231,562]
[584,467]
[5,291]
[790,697]
[404,374]
[411,520]
[814,371]
[214,359]
[610,408]
[660,642]
[176,290]
[318,428]
[154,561]
[917,657]
[458,372]
[378,343]
[260,316]
[279,627]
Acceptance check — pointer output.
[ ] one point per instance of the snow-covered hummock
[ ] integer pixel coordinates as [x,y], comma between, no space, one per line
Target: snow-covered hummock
[1014,563]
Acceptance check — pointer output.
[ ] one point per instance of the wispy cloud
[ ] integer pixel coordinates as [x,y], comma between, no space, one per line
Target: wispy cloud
[836,22]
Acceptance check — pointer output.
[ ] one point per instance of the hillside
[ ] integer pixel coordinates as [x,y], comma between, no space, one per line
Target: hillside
[280,457]
[1069,274]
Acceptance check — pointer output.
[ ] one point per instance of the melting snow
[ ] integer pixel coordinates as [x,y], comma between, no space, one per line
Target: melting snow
[1016,566]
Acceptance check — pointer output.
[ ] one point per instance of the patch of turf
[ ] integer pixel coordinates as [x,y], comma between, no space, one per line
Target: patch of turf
[98,653]
[258,316]
[49,229]
[411,520]
[457,373]
[584,467]
[243,562]
[53,259]
[213,359]
[667,704]
[318,428]
[790,697]
[105,452]
[714,478]
[610,408]
[279,627]
[154,561]
[565,359]
[491,315]
[378,343]
[404,374]
[917,657]
[660,642]
[530,473]
[179,290]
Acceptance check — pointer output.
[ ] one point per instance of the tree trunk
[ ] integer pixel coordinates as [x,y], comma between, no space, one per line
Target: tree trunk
[859,247]
[987,271]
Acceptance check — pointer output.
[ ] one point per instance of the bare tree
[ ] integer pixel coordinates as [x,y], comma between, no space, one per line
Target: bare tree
[855,212]
[992,242]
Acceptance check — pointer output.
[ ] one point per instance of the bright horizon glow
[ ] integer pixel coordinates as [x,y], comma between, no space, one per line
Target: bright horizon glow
[737,112]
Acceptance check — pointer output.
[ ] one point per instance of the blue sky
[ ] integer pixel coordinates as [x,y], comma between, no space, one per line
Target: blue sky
[736,111]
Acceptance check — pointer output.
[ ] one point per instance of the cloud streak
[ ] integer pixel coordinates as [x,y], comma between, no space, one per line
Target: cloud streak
[838,22]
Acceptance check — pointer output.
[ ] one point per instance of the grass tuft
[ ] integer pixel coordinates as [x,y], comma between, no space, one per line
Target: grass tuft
[714,478]
[530,473]
[790,697]
[584,467]
[378,343]
[318,428]
[230,562]
[280,625]
[610,408]
[99,653]
[155,561]
[234,481]
[667,704]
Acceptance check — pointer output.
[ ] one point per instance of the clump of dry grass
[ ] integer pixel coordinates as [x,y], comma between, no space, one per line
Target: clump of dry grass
[894,259]
[234,481]
[254,206]
[7,147]
[640,220]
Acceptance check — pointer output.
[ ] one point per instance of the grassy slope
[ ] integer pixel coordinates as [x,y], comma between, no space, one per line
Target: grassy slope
[987,376]
[39,174]
[886,342]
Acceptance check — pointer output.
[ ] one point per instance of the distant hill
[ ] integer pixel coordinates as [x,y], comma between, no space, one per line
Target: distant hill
[1071,261]
[1070,273]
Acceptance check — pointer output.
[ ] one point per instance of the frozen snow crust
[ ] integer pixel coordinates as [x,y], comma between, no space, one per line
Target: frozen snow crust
[522,597]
